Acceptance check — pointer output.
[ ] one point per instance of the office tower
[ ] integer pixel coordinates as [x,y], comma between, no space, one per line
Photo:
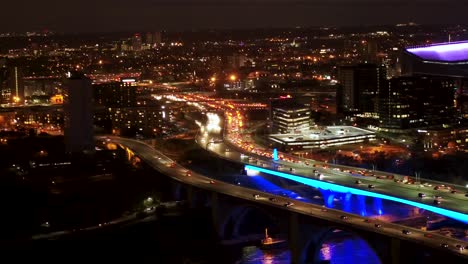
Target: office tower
[78,108]
[115,94]
[137,42]
[149,40]
[448,60]
[157,38]
[416,102]
[370,53]
[359,88]
[290,117]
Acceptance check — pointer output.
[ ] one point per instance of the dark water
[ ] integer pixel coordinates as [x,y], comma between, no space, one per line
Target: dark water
[190,239]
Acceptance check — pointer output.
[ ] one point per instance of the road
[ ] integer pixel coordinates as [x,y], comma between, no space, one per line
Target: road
[165,165]
[339,175]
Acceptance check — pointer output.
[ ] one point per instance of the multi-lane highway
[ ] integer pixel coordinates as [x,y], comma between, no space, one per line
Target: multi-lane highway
[342,175]
[167,166]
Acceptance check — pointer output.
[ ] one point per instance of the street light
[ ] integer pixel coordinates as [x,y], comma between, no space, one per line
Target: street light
[233,77]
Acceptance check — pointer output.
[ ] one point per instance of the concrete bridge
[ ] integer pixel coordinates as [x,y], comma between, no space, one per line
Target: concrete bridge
[238,211]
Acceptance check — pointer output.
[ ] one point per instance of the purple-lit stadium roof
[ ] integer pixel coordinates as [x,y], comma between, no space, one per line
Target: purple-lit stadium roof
[443,52]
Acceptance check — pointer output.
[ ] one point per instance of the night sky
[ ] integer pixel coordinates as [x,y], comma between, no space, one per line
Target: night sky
[128,15]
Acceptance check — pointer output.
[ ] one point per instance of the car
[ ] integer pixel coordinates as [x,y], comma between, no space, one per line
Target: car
[460,247]
[172,165]
[358,182]
[466,194]
[306,163]
[291,169]
[421,195]
[429,235]
[212,182]
[344,217]
[371,186]
[256,196]
[437,202]
[453,191]
[273,199]
[437,197]
[324,210]
[378,225]
[436,188]
[288,204]
[367,221]
[406,232]
[188,173]
[444,245]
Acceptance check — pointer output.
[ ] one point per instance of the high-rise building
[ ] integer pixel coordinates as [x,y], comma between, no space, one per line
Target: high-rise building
[416,102]
[157,38]
[449,60]
[116,94]
[137,42]
[78,108]
[289,117]
[359,88]
[149,40]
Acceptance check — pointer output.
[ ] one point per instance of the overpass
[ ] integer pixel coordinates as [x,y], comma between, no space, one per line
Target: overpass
[307,225]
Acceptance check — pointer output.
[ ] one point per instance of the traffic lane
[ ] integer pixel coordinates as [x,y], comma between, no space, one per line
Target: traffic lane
[304,208]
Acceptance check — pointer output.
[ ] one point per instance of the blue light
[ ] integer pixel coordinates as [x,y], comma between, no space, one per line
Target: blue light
[343,189]
[275,154]
[331,197]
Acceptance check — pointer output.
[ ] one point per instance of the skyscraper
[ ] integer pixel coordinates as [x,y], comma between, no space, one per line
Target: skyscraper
[78,108]
[157,38]
[360,85]
[137,42]
[416,102]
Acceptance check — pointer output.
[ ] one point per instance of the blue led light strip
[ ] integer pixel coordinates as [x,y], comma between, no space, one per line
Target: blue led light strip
[344,189]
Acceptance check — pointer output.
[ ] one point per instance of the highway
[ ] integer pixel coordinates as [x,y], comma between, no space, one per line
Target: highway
[241,147]
[165,165]
[334,174]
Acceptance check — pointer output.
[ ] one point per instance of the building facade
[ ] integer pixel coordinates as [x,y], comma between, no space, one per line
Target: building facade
[359,88]
[78,108]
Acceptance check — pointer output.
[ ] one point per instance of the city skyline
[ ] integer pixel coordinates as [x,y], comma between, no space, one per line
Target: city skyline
[111,16]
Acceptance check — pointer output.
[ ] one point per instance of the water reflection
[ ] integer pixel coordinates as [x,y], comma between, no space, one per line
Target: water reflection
[340,250]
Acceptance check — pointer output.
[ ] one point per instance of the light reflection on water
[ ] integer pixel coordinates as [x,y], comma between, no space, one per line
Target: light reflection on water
[342,250]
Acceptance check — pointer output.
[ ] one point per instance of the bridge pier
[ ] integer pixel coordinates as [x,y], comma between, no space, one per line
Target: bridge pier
[215,212]
[394,251]
[293,239]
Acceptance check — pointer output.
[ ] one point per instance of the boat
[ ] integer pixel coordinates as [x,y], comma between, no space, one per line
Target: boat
[272,243]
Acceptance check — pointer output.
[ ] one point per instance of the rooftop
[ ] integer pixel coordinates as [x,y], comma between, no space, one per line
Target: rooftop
[327,133]
[444,52]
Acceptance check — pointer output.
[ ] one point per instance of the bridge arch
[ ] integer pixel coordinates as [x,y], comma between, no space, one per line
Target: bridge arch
[311,252]
[246,219]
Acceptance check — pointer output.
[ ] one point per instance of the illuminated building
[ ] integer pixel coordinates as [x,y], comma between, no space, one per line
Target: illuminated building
[116,94]
[157,38]
[290,117]
[322,138]
[359,88]
[79,114]
[416,102]
[137,42]
[448,60]
[56,99]
[144,121]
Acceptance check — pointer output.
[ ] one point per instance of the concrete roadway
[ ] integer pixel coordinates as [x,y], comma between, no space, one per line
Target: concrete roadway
[167,166]
[333,174]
